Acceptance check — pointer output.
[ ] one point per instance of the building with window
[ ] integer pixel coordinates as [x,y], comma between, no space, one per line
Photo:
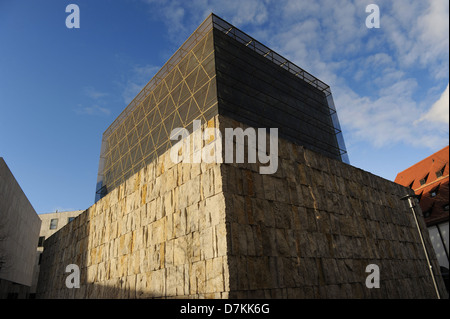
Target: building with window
[51,223]
[429,179]
[19,232]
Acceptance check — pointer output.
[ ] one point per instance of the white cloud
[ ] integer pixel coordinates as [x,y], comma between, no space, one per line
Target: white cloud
[390,118]
[241,12]
[182,17]
[380,59]
[433,30]
[331,43]
[439,111]
[418,32]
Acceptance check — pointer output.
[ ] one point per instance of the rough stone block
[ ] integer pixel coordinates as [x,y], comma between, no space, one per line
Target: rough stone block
[210,230]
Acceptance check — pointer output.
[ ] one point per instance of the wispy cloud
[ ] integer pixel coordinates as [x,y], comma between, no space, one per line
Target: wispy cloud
[139,76]
[388,119]
[375,75]
[439,111]
[418,31]
[182,17]
[92,110]
[95,101]
[93,93]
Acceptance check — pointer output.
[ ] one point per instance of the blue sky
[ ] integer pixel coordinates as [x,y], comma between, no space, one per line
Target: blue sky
[61,88]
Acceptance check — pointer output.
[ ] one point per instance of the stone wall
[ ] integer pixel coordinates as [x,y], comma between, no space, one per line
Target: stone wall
[160,234]
[226,231]
[310,230]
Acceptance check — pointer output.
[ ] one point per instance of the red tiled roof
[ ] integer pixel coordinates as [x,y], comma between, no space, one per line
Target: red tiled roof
[429,179]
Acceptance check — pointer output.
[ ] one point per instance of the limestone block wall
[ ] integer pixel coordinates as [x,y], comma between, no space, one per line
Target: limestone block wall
[311,229]
[223,230]
[159,235]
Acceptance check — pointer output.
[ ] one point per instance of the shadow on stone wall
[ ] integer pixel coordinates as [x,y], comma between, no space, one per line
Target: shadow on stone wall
[307,231]
[162,233]
[311,229]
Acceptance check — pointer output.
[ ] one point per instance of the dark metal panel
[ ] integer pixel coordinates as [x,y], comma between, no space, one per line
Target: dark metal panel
[253,90]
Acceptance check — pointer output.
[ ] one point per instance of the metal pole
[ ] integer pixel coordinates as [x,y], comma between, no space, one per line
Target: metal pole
[430,267]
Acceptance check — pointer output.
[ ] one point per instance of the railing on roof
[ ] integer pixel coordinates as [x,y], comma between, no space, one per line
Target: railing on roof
[213,21]
[268,53]
[161,74]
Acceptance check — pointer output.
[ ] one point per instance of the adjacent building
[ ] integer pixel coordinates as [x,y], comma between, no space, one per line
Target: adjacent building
[19,233]
[429,179]
[50,224]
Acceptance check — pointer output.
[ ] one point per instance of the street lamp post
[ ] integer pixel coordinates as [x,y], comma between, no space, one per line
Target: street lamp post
[412,205]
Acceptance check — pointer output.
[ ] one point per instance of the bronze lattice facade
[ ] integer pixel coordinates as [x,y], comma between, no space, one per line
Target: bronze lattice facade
[219,69]
[182,91]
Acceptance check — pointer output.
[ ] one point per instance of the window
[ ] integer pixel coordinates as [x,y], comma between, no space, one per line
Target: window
[70,219]
[41,241]
[439,240]
[440,172]
[443,231]
[424,180]
[54,223]
[434,192]
[427,213]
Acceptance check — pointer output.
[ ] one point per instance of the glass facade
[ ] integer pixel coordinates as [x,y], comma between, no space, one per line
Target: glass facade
[255,91]
[439,239]
[219,70]
[182,91]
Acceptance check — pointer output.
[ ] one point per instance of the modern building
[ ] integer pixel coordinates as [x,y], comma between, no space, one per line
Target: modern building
[50,224]
[219,70]
[182,229]
[429,179]
[19,233]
